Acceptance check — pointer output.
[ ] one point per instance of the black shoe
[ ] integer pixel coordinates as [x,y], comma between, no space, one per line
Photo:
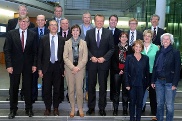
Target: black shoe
[12,114]
[90,111]
[102,112]
[115,112]
[22,98]
[67,98]
[8,99]
[125,112]
[29,113]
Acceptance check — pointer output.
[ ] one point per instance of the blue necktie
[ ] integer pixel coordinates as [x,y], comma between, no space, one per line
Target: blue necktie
[98,39]
[132,38]
[41,33]
[52,50]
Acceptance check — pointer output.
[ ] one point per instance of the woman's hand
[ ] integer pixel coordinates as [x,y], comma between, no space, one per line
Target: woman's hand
[75,70]
[128,88]
[153,86]
[121,72]
[174,88]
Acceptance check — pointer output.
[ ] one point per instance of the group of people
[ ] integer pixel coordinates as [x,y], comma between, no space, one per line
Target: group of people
[86,54]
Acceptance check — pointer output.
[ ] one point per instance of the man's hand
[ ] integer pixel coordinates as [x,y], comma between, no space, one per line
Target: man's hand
[40,74]
[10,70]
[33,69]
[94,59]
[101,60]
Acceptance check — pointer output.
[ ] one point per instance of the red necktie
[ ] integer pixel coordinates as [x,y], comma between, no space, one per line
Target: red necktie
[22,40]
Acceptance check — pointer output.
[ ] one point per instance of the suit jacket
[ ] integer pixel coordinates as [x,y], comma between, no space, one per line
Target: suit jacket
[130,70]
[105,49]
[44,53]
[68,55]
[139,35]
[69,35]
[117,32]
[172,65]
[35,29]
[157,40]
[13,22]
[82,35]
[14,55]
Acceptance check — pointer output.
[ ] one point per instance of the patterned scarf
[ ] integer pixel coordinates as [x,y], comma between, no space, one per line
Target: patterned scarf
[122,50]
[75,48]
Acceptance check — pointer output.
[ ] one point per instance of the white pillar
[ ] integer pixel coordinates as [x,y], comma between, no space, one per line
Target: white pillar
[61,3]
[161,11]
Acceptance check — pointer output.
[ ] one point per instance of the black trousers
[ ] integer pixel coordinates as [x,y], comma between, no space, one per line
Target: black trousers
[92,81]
[112,73]
[27,90]
[118,80]
[152,97]
[52,78]
[34,85]
[62,89]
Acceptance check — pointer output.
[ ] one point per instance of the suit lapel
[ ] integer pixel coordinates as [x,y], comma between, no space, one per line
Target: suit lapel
[28,39]
[18,40]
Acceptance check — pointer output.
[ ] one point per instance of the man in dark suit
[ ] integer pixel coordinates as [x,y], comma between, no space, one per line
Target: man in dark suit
[50,67]
[57,16]
[64,30]
[113,20]
[133,34]
[157,31]
[40,31]
[66,33]
[20,56]
[13,23]
[100,49]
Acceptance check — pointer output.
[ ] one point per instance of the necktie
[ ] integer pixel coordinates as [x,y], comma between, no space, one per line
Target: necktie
[154,35]
[22,40]
[132,38]
[113,31]
[58,21]
[52,50]
[98,39]
[64,34]
[41,33]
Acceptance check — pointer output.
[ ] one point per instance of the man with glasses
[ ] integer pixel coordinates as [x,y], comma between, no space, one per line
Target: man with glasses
[20,56]
[13,24]
[50,67]
[57,16]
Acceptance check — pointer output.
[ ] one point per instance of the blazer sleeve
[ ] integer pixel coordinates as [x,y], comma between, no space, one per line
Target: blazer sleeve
[177,67]
[8,50]
[109,54]
[66,53]
[126,71]
[147,72]
[84,60]
[40,55]
[87,39]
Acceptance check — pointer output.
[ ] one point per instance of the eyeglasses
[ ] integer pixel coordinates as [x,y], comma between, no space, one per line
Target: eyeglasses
[133,23]
[24,21]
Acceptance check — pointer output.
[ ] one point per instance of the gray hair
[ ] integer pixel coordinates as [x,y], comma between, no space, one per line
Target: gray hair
[155,15]
[170,36]
[22,5]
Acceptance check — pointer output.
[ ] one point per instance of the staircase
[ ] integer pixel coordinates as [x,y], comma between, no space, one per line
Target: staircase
[64,108]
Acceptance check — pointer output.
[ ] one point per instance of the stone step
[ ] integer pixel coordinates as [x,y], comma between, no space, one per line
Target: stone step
[64,116]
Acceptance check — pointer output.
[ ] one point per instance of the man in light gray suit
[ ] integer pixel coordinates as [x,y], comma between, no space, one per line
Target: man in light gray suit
[86,25]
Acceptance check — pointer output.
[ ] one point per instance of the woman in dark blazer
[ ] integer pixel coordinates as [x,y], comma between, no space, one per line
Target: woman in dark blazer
[165,77]
[117,67]
[136,78]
